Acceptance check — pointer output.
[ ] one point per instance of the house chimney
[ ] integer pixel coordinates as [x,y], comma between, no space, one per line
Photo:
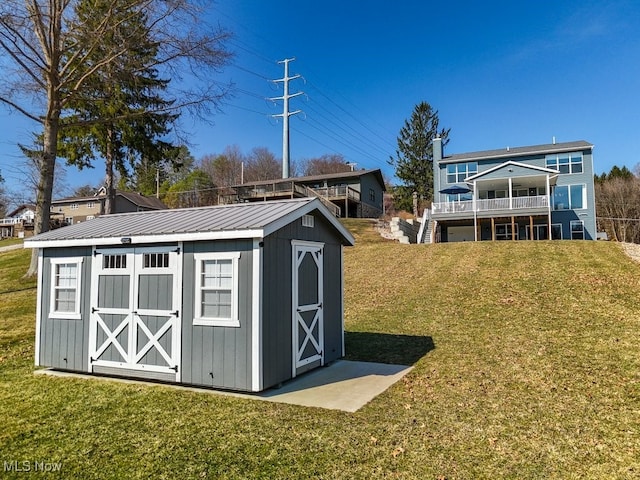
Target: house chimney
[437,150]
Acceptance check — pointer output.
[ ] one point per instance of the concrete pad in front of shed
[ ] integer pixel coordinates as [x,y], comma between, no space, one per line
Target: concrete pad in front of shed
[343,385]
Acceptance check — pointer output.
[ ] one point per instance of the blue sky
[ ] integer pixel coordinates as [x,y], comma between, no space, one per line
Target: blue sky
[500,73]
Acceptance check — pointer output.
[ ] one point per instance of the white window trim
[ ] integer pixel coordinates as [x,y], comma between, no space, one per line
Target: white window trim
[571,224]
[571,207]
[234,321]
[75,315]
[556,159]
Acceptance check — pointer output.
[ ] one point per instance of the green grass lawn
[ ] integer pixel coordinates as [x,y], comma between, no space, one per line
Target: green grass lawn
[527,366]
[5,242]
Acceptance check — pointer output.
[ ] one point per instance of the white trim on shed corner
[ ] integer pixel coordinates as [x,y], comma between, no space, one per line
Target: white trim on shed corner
[342,297]
[257,377]
[39,307]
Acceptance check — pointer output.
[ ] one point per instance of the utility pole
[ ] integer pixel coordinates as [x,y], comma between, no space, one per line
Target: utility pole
[286,113]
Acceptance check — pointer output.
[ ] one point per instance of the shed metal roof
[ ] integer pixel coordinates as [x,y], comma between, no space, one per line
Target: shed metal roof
[519,151]
[243,220]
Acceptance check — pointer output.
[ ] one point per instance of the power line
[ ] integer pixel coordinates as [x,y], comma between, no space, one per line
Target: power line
[364,133]
[355,135]
[346,112]
[339,139]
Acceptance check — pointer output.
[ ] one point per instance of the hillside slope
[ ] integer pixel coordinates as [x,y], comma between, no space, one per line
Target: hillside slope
[535,367]
[526,365]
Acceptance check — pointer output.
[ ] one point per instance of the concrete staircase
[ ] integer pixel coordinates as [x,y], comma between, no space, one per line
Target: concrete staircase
[405,231]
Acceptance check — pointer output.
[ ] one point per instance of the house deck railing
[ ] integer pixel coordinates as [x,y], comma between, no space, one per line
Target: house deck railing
[11,221]
[337,192]
[487,205]
[292,188]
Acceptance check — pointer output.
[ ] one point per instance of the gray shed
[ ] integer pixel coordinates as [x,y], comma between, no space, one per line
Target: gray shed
[239,297]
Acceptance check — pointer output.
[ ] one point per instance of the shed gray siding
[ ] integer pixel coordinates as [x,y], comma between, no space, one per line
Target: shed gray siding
[212,355]
[64,343]
[277,297]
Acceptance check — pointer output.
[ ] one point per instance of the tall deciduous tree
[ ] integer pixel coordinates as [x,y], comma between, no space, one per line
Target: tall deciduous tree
[42,78]
[3,199]
[413,161]
[225,169]
[262,165]
[195,190]
[618,204]
[329,163]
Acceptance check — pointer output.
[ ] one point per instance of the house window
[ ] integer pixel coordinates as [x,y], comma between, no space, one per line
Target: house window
[503,232]
[68,220]
[90,204]
[556,231]
[216,292]
[459,197]
[569,197]
[577,230]
[457,172]
[565,162]
[74,206]
[65,288]
[491,194]
[372,195]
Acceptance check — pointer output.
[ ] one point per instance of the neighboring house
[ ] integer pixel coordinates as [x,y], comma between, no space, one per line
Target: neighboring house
[356,194]
[241,296]
[67,211]
[524,193]
[19,223]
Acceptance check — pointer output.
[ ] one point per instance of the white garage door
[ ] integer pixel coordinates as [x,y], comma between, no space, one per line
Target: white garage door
[460,234]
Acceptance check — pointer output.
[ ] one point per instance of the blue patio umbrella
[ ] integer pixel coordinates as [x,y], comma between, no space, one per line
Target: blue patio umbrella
[455,189]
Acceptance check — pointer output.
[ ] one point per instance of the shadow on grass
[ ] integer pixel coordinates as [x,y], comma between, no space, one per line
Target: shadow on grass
[386,348]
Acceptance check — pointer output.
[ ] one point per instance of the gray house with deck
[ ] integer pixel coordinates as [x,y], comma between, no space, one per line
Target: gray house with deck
[524,193]
[354,194]
[240,297]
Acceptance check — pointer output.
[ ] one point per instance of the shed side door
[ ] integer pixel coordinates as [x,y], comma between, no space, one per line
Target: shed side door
[307,312]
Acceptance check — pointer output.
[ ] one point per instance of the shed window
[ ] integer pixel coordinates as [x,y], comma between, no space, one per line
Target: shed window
[307,221]
[216,302]
[156,260]
[65,288]
[114,261]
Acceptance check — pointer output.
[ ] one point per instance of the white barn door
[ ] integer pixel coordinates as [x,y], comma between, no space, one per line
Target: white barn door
[135,310]
[307,312]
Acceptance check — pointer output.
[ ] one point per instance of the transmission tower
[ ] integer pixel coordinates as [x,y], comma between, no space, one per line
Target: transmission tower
[286,113]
